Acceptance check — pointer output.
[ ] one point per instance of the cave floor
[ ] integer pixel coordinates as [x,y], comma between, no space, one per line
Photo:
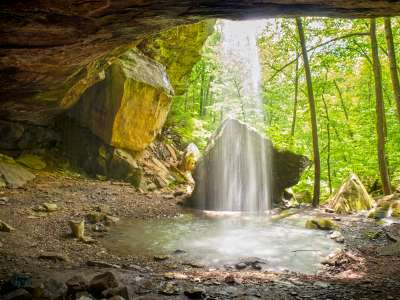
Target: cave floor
[42,247]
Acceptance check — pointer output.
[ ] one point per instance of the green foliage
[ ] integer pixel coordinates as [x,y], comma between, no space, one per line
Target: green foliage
[342,78]
[344,92]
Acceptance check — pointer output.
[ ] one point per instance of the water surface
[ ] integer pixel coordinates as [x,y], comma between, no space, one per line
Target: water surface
[216,241]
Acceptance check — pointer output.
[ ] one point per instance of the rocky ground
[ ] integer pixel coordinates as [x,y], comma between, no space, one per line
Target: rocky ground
[39,257]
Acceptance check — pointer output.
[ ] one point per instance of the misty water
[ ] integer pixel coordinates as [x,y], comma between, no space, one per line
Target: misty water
[242,165]
[215,240]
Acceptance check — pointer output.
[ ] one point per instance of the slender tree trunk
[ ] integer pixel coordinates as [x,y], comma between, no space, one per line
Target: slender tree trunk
[206,96]
[296,94]
[328,131]
[393,64]
[346,114]
[186,98]
[380,110]
[310,93]
[201,107]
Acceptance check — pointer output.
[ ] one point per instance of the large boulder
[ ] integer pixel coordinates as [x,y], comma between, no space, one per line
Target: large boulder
[129,107]
[240,165]
[351,196]
[12,174]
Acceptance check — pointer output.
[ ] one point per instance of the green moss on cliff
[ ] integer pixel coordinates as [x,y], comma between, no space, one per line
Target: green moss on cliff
[178,49]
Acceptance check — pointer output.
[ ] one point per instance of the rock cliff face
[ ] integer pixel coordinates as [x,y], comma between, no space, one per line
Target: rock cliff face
[178,49]
[52,51]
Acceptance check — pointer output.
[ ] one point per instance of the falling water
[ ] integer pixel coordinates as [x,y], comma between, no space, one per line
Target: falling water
[245,160]
[235,174]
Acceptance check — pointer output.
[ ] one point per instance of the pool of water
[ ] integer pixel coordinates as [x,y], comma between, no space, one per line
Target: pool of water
[215,240]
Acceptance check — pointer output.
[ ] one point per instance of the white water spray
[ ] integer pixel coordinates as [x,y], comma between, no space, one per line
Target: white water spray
[235,174]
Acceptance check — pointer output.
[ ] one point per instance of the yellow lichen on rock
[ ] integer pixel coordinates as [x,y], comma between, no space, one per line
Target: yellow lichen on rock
[141,116]
[320,223]
[129,107]
[351,197]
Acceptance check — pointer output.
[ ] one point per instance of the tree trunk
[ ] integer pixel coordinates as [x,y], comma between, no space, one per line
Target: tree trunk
[346,114]
[201,106]
[393,65]
[310,94]
[296,94]
[380,110]
[328,131]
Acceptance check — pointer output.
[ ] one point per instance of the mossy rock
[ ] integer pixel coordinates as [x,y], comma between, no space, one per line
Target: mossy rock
[378,213]
[32,161]
[6,159]
[351,197]
[320,223]
[372,235]
[395,209]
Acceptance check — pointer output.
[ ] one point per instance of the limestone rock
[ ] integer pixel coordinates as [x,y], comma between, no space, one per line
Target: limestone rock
[191,156]
[25,136]
[13,174]
[50,207]
[351,197]
[124,167]
[32,161]
[4,227]
[76,283]
[226,161]
[320,223]
[128,108]
[47,61]
[178,49]
[77,228]
[102,282]
[395,209]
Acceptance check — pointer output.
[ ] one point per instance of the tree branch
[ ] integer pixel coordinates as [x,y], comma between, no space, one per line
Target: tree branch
[346,36]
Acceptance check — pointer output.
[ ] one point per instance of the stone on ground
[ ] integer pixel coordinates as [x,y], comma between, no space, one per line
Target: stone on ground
[13,174]
[32,161]
[77,228]
[123,166]
[351,197]
[102,282]
[320,223]
[392,249]
[4,227]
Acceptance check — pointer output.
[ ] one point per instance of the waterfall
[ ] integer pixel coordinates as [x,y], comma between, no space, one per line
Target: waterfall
[235,173]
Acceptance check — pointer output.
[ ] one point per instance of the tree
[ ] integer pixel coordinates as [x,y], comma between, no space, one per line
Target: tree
[313,115]
[296,94]
[393,65]
[380,110]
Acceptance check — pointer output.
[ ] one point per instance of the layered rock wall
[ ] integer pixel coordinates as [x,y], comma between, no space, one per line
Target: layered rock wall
[51,51]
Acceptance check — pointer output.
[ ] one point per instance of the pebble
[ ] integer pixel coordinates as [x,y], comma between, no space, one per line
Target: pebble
[240,266]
